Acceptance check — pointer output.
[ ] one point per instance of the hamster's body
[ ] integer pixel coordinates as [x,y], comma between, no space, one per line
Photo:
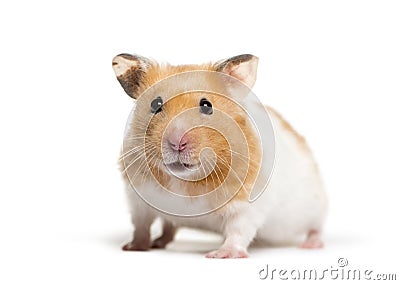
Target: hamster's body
[290,211]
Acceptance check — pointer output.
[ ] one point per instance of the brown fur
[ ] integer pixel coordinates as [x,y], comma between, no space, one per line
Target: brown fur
[156,72]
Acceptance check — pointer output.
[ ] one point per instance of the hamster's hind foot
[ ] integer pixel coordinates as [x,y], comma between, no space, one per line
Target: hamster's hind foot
[313,241]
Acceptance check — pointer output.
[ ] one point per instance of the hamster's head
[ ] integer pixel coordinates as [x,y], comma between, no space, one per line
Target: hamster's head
[187,134]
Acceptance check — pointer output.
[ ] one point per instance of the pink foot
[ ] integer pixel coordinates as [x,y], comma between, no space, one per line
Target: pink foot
[313,241]
[228,252]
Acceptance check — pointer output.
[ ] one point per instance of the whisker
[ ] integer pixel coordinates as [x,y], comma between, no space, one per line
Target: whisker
[234,172]
[238,153]
[132,162]
[149,160]
[220,181]
[142,155]
[139,169]
[205,172]
[131,151]
[211,172]
[131,138]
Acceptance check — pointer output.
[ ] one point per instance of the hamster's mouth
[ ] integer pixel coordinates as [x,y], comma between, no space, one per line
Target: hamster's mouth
[182,167]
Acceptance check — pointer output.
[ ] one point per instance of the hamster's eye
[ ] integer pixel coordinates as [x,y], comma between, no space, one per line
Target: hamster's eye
[156,105]
[206,107]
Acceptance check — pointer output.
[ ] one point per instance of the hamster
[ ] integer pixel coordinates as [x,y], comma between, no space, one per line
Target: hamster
[291,211]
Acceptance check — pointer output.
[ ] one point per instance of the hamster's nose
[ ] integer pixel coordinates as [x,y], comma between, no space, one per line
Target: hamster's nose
[178,143]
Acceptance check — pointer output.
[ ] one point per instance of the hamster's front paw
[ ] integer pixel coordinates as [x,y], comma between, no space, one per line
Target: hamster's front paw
[228,252]
[136,246]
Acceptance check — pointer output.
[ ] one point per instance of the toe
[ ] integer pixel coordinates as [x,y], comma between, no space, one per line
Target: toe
[136,246]
[228,253]
[314,244]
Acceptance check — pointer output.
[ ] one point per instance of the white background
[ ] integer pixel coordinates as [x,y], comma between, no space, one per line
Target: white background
[331,67]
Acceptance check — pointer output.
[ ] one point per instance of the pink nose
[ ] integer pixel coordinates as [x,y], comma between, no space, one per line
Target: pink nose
[178,143]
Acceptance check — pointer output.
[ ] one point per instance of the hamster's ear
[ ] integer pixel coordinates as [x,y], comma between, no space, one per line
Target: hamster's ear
[130,71]
[243,67]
